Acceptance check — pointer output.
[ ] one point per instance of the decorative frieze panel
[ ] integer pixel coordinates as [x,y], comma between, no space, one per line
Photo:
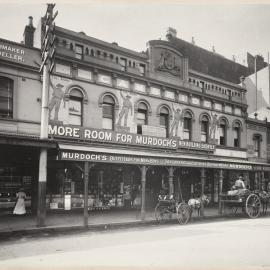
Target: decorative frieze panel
[139,87]
[183,98]
[64,69]
[228,109]
[195,101]
[218,106]
[237,111]
[106,79]
[122,83]
[207,103]
[155,91]
[169,94]
[84,74]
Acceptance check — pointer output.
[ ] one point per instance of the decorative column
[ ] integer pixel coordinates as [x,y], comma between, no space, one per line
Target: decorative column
[216,194]
[171,170]
[220,191]
[143,181]
[256,180]
[202,191]
[86,179]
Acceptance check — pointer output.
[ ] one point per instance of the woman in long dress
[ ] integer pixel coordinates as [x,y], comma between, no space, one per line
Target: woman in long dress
[20,204]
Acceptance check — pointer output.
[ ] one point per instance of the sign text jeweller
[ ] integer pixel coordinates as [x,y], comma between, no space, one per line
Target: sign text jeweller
[100,135]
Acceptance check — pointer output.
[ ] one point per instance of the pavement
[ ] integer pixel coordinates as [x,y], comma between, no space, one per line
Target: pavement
[11,225]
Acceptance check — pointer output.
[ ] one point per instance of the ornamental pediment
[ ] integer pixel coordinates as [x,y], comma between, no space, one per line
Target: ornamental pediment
[167,61]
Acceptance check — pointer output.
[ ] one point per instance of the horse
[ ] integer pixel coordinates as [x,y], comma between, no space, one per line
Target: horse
[264,198]
[196,203]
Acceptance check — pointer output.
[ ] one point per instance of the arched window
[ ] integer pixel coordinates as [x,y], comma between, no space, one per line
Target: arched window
[222,132]
[6,97]
[236,134]
[108,107]
[257,139]
[204,128]
[187,126]
[141,116]
[164,119]
[75,107]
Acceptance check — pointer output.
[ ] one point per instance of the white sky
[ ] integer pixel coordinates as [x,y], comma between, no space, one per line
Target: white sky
[233,29]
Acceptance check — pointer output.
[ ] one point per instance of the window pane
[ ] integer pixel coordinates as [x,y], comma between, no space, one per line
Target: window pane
[107,111]
[75,107]
[186,135]
[75,120]
[107,123]
[6,97]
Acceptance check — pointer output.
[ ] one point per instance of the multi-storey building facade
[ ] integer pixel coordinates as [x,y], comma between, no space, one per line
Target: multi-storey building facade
[172,119]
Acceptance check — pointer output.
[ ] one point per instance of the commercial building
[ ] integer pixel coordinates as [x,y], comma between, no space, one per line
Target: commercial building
[131,125]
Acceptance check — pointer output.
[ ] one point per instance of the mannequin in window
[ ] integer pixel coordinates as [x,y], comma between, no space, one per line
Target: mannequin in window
[176,121]
[127,105]
[56,99]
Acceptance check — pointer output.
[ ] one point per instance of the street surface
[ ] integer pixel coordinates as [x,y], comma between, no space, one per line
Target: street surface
[229,244]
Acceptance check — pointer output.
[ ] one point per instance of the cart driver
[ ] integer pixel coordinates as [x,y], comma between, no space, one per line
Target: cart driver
[239,183]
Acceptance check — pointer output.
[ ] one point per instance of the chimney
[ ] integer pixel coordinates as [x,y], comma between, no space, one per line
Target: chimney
[171,33]
[28,35]
[193,40]
[233,58]
[213,49]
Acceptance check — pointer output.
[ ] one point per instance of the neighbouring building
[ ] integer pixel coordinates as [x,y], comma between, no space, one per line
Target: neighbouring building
[20,107]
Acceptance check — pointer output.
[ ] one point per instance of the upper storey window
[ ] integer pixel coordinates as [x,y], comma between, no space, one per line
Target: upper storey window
[123,63]
[141,116]
[6,97]
[75,107]
[79,51]
[108,106]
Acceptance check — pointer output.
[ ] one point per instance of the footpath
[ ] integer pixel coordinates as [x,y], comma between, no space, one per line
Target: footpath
[64,221]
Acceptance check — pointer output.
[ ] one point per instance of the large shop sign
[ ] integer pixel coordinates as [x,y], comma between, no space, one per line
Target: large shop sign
[89,134]
[125,159]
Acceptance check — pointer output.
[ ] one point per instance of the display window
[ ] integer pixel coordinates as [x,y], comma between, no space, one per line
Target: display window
[109,186]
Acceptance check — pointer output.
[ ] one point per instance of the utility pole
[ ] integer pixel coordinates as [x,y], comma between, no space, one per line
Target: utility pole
[256,96]
[47,56]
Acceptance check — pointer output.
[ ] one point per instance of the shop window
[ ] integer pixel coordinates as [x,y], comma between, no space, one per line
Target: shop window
[6,97]
[79,51]
[75,107]
[108,106]
[204,129]
[222,132]
[164,119]
[236,135]
[141,116]
[187,126]
[257,138]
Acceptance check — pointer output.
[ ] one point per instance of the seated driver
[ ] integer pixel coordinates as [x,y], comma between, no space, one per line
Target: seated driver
[239,183]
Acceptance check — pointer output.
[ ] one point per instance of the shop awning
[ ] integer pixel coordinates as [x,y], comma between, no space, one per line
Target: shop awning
[158,158]
[26,140]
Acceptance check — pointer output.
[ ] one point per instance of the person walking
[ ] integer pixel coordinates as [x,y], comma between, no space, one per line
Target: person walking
[20,204]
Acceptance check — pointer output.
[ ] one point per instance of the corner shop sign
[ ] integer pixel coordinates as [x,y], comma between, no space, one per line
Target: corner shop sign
[89,134]
[124,159]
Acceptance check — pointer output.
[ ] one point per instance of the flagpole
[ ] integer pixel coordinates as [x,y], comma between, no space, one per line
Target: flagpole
[256,83]
[268,77]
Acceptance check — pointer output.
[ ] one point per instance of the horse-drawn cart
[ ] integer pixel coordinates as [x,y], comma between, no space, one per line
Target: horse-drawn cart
[167,206]
[248,201]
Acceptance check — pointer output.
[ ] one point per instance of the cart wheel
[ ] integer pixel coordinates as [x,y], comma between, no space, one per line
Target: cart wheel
[160,212]
[183,213]
[253,205]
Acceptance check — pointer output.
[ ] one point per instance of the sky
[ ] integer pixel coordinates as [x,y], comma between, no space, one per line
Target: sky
[232,27]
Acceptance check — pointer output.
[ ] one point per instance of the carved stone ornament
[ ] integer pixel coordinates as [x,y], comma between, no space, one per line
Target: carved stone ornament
[168,63]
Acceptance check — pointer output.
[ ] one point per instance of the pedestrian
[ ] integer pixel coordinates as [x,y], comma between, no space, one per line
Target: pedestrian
[20,203]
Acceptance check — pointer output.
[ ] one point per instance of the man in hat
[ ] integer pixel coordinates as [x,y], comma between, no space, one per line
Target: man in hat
[239,183]
[127,105]
[56,99]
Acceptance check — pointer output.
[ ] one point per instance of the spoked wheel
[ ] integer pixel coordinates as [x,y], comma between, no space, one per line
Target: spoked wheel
[253,205]
[183,213]
[161,213]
